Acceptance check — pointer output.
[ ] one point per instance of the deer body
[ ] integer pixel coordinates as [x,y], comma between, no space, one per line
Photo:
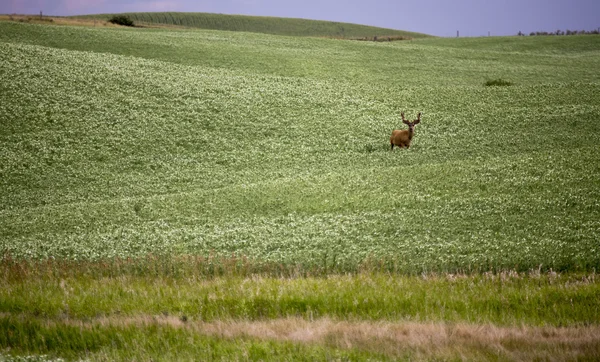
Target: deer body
[402,138]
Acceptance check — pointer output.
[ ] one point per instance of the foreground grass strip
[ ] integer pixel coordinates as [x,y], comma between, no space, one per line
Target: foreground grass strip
[322,338]
[147,341]
[507,298]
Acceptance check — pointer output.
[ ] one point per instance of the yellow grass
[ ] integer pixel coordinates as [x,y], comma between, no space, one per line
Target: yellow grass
[35,19]
[57,20]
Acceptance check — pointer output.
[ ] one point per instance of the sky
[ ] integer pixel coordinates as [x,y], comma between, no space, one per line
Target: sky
[434,17]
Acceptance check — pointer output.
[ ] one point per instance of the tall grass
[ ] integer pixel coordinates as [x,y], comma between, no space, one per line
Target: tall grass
[151,341]
[108,312]
[162,339]
[57,289]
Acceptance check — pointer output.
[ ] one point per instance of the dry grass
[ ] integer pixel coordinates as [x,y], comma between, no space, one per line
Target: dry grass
[421,341]
[35,19]
[57,20]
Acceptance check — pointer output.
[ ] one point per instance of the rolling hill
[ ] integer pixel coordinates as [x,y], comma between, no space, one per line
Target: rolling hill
[262,24]
[216,142]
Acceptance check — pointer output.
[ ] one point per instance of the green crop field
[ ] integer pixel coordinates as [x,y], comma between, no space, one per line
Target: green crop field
[157,182]
[260,24]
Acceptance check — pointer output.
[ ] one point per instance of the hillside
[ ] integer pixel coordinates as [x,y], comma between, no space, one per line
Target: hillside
[216,142]
[261,24]
[191,194]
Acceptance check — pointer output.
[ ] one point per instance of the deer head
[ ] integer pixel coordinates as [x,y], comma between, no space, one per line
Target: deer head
[411,125]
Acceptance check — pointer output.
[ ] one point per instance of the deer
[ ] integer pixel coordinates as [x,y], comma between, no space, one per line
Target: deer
[402,138]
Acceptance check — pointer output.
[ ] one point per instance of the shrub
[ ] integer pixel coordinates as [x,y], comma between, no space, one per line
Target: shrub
[382,38]
[498,82]
[121,20]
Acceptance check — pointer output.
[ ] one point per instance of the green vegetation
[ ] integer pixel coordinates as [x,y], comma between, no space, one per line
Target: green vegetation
[107,312]
[81,291]
[121,20]
[157,182]
[156,342]
[261,24]
[122,156]
[166,339]
[498,82]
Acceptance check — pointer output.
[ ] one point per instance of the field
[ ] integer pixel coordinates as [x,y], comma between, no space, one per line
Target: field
[259,24]
[237,190]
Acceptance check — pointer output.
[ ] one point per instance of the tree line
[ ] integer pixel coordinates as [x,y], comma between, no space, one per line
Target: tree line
[561,32]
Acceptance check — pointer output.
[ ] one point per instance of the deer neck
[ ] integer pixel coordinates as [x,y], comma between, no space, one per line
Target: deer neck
[411,131]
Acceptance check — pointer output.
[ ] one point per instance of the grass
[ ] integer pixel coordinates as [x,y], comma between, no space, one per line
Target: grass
[260,24]
[79,290]
[158,184]
[56,20]
[152,341]
[163,339]
[109,312]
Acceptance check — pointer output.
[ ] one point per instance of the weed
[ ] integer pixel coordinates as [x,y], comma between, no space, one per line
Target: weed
[498,82]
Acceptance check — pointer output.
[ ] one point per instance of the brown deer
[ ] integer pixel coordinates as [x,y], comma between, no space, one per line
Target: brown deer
[402,138]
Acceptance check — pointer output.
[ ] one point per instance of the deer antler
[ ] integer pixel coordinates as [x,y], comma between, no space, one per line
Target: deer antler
[418,118]
[403,119]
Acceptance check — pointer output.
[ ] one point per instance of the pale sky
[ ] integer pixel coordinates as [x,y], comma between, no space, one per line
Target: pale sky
[435,17]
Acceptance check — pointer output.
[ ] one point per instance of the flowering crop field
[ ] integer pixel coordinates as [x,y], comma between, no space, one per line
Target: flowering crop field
[127,143]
